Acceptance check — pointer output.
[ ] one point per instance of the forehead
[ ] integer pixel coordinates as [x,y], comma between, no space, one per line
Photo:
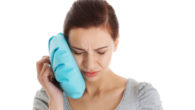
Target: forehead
[93,35]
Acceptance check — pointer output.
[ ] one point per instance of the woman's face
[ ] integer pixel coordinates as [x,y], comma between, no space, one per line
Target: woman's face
[92,49]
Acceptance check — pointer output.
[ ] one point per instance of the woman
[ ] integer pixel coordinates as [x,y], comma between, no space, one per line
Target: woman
[91,28]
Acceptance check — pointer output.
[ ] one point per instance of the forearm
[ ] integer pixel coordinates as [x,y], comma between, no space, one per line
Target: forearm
[56,104]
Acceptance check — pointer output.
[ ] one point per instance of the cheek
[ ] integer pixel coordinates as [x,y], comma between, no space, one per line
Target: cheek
[105,60]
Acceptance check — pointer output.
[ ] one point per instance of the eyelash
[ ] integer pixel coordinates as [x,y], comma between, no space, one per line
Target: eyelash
[101,53]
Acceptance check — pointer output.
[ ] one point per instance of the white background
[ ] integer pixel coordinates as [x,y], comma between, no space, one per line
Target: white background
[157,45]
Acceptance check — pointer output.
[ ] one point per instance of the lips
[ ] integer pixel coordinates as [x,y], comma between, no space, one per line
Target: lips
[91,74]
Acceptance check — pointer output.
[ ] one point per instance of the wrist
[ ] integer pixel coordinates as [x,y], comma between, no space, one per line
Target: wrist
[56,98]
[55,104]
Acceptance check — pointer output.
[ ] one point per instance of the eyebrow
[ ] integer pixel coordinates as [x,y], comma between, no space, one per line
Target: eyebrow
[94,49]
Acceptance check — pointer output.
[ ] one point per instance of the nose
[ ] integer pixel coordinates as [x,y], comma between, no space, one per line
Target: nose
[89,62]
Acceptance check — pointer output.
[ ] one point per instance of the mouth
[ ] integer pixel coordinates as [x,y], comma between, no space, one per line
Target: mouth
[91,74]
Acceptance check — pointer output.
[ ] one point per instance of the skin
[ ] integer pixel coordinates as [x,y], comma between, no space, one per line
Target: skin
[44,76]
[106,86]
[105,90]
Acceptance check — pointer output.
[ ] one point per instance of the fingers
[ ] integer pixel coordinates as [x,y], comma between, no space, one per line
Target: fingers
[46,77]
[42,66]
[45,72]
[48,74]
[39,64]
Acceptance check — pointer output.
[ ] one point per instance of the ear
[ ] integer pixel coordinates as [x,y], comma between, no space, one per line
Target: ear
[116,43]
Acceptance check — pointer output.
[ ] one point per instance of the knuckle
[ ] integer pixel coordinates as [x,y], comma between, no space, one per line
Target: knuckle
[45,64]
[45,57]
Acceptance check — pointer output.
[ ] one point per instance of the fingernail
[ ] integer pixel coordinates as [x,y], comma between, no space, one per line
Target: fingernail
[48,65]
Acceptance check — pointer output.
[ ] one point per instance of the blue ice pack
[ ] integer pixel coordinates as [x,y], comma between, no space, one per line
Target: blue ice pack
[65,68]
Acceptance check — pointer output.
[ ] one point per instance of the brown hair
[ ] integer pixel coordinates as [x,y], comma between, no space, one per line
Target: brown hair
[91,13]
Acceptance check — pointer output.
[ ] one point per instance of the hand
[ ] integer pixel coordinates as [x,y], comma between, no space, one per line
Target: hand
[46,78]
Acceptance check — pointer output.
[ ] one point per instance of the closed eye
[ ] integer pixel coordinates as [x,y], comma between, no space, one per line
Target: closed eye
[77,53]
[101,53]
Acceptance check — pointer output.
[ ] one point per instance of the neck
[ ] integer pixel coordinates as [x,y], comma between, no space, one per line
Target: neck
[103,83]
